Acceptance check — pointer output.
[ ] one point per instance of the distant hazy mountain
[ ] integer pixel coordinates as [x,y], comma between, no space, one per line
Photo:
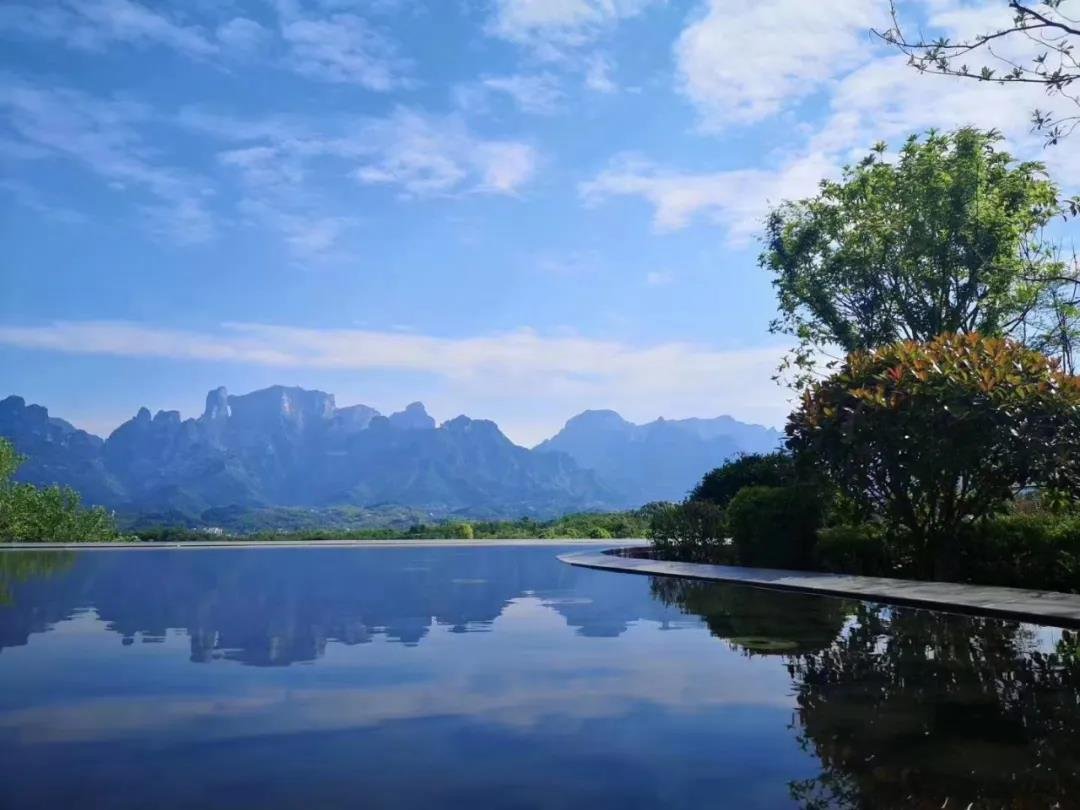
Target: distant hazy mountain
[290,446]
[294,447]
[56,451]
[660,460]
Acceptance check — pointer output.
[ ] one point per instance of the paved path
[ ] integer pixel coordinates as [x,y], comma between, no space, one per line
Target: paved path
[398,543]
[1040,607]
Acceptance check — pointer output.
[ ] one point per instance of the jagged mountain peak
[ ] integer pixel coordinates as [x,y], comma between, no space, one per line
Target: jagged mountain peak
[217,404]
[12,403]
[600,419]
[289,403]
[291,446]
[414,417]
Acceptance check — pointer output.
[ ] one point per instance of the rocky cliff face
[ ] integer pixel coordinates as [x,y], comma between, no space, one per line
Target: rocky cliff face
[294,447]
[56,451]
[284,446]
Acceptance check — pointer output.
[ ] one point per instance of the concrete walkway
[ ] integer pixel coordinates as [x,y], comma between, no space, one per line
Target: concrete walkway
[1040,607]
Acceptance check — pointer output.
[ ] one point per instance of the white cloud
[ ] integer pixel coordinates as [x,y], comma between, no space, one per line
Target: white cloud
[508,369]
[742,62]
[265,167]
[538,94]
[319,40]
[280,161]
[102,135]
[242,36]
[343,48]
[426,156]
[93,24]
[747,63]
[886,100]
[552,27]
[598,70]
[659,278]
[310,234]
[419,154]
[736,199]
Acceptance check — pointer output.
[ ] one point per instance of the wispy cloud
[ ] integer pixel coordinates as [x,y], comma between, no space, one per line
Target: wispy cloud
[343,48]
[676,378]
[736,200]
[551,28]
[536,94]
[419,154]
[95,24]
[242,36]
[31,198]
[102,136]
[323,41]
[868,94]
[598,74]
[743,62]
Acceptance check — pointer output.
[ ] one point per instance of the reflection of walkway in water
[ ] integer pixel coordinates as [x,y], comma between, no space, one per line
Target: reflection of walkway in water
[1042,607]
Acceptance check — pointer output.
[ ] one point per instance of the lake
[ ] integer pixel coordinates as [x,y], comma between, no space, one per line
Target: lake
[498,677]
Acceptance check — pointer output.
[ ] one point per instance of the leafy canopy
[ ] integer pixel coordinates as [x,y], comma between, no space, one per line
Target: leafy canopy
[933,436]
[941,240]
[720,485]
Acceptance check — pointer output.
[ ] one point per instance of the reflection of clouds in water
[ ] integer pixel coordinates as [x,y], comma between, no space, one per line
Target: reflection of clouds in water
[508,678]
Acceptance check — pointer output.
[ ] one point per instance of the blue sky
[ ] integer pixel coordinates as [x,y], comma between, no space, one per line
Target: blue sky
[514,209]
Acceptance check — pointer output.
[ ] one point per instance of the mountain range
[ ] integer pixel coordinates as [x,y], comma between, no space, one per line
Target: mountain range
[283,446]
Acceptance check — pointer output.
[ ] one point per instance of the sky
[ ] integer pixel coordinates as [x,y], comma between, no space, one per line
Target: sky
[512,209]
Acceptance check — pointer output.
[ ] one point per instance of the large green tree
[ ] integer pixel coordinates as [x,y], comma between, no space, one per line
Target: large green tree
[945,238]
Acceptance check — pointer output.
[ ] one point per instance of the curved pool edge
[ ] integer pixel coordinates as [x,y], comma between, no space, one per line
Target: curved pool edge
[1039,607]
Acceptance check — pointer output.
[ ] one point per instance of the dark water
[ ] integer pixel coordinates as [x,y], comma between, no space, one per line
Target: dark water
[499,677]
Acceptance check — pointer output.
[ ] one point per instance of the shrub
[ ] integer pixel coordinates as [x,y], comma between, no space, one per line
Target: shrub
[1023,551]
[30,514]
[599,533]
[775,526]
[693,531]
[855,549]
[748,470]
[936,436]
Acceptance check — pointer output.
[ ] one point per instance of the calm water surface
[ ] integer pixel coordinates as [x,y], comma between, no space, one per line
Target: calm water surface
[501,678]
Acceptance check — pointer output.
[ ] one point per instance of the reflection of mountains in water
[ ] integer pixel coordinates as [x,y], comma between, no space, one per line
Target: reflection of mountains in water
[899,707]
[270,607]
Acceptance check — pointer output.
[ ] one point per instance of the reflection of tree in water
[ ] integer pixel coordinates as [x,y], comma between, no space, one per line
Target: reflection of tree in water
[20,566]
[911,708]
[757,621]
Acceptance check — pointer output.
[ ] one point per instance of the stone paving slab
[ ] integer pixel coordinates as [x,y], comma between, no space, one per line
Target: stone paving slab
[1040,607]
